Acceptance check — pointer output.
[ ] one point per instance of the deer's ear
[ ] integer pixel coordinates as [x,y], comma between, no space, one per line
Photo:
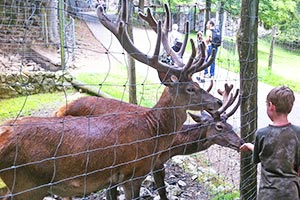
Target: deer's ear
[201,119]
[174,79]
[196,118]
[167,79]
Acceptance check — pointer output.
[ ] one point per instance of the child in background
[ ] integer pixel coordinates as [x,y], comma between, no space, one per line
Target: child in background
[200,40]
[175,38]
[277,148]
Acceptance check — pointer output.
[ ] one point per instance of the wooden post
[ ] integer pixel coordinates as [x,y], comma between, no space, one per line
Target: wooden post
[247,48]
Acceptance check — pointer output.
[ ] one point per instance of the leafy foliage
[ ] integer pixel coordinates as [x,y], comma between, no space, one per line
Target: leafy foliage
[281,13]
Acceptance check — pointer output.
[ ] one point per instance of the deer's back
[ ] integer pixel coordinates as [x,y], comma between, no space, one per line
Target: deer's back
[109,148]
[91,105]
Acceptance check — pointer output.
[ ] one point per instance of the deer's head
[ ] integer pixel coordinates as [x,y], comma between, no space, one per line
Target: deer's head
[218,130]
[178,77]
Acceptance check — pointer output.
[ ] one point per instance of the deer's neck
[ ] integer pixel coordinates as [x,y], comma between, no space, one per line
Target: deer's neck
[168,113]
[190,139]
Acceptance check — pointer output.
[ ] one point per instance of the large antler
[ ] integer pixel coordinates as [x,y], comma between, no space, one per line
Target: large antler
[181,70]
[228,99]
[176,56]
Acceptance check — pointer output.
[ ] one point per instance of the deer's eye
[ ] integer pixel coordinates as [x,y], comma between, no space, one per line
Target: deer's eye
[219,127]
[191,90]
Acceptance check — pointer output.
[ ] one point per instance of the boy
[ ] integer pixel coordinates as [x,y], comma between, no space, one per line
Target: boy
[277,148]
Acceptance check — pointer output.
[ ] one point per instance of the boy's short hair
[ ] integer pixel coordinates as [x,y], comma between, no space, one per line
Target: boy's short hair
[283,98]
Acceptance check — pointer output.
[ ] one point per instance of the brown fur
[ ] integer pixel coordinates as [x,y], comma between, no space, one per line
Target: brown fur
[108,148]
[190,139]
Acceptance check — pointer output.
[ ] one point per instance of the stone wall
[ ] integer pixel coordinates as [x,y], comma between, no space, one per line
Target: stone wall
[14,84]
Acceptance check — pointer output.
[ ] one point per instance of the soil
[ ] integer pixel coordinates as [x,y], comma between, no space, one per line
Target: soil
[197,177]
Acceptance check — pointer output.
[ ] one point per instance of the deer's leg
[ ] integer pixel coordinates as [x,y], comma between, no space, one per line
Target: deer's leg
[159,179]
[21,183]
[32,195]
[112,193]
[132,189]
[3,192]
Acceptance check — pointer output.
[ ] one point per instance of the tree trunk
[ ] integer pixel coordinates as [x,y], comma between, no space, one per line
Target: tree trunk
[247,48]
[274,32]
[131,63]
[51,8]
[207,13]
[141,6]
[221,16]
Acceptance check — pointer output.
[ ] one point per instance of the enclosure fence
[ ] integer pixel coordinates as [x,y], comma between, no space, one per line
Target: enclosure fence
[60,47]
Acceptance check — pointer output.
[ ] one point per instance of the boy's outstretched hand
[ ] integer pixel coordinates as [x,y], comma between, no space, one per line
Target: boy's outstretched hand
[247,147]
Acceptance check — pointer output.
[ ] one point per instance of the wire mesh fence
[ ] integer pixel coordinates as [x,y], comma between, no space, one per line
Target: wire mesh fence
[56,46]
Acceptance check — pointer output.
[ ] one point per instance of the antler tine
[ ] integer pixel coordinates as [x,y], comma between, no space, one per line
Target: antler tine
[210,86]
[228,101]
[226,116]
[124,13]
[118,28]
[188,66]
[199,60]
[201,57]
[149,19]
[226,92]
[186,37]
[225,105]
[176,56]
[199,66]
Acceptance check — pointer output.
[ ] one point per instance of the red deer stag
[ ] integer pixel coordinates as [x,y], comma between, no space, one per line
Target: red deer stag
[210,129]
[74,156]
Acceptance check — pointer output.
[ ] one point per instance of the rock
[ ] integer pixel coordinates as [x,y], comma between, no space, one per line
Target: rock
[195,177]
[181,184]
[174,190]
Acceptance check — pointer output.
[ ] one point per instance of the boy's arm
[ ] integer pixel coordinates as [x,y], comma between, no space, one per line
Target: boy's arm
[247,147]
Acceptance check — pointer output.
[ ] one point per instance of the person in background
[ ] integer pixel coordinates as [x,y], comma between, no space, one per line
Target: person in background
[277,148]
[200,78]
[175,38]
[210,25]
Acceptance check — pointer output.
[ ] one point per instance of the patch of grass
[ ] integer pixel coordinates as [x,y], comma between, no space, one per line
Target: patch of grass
[285,68]
[25,105]
[227,196]
[2,185]
[116,85]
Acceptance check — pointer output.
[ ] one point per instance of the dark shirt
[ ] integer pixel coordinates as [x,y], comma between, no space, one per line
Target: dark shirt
[277,149]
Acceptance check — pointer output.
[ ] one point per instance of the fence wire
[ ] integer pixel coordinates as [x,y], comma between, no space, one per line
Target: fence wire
[59,161]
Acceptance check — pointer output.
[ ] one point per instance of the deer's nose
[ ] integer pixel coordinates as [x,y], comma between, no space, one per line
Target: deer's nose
[242,142]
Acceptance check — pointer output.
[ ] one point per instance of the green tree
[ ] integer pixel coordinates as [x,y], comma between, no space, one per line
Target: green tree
[279,13]
[173,3]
